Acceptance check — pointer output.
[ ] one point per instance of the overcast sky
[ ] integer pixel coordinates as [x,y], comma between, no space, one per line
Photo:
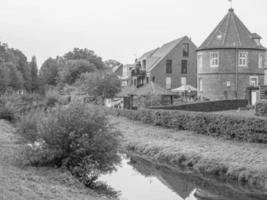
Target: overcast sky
[116,29]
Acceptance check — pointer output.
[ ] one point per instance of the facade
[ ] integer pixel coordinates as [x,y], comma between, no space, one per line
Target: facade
[230,60]
[124,73]
[170,66]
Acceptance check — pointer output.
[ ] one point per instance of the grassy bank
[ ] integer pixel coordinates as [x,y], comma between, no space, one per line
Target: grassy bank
[19,183]
[243,164]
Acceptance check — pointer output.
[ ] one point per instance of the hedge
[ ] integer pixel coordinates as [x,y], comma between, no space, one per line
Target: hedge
[224,126]
[209,106]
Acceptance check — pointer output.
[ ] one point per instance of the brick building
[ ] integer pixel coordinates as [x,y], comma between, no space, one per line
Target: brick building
[230,60]
[169,66]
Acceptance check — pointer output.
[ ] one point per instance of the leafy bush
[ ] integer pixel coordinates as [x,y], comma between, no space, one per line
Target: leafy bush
[77,138]
[261,108]
[210,106]
[228,127]
[7,113]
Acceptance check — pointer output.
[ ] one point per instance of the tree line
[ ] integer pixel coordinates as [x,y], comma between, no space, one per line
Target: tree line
[80,67]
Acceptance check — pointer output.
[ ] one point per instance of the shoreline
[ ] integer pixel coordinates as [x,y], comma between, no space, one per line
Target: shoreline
[237,163]
[20,182]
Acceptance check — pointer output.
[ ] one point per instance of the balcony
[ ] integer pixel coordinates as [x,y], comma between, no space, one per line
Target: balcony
[138,72]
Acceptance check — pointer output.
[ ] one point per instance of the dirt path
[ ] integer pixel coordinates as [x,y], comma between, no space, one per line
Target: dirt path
[198,152]
[30,183]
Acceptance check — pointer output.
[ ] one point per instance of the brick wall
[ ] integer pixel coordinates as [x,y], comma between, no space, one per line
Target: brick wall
[176,55]
[214,80]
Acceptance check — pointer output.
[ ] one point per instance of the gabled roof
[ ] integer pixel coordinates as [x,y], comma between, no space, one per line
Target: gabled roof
[153,57]
[231,33]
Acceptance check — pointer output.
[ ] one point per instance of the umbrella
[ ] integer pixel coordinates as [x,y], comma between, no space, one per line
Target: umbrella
[184,88]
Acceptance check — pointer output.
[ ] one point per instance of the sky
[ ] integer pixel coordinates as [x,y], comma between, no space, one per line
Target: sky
[116,29]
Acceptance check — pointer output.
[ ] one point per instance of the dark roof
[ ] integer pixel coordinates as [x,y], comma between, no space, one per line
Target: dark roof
[231,33]
[154,56]
[151,89]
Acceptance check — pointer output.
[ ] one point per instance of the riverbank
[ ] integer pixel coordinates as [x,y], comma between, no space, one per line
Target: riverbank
[24,183]
[238,163]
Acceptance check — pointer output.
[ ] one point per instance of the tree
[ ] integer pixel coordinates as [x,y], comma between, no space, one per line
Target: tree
[4,78]
[112,63]
[34,74]
[72,69]
[100,85]
[49,72]
[16,81]
[85,54]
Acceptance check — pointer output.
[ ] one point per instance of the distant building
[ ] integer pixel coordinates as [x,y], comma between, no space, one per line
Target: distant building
[170,66]
[124,73]
[230,60]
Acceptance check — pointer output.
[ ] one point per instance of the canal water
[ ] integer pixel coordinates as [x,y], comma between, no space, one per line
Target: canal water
[140,179]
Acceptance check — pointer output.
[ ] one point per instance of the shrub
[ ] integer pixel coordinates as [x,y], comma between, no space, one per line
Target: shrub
[77,138]
[228,127]
[261,109]
[7,113]
[210,106]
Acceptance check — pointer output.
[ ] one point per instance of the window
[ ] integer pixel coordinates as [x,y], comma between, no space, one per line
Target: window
[153,78]
[168,82]
[184,67]
[168,66]
[253,81]
[147,79]
[185,50]
[199,61]
[228,83]
[214,59]
[243,59]
[261,58]
[183,80]
[144,64]
[200,85]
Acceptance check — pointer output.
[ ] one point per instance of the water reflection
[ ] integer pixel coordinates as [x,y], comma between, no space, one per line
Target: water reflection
[139,179]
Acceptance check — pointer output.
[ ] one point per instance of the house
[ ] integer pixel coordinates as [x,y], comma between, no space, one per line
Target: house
[170,66]
[230,60]
[124,73]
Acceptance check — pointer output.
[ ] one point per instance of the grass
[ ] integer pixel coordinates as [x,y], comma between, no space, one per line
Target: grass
[29,183]
[235,162]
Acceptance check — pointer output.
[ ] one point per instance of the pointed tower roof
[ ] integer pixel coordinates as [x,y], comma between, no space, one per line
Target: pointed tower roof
[231,33]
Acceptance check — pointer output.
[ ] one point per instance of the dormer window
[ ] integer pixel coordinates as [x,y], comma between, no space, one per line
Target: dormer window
[214,59]
[243,59]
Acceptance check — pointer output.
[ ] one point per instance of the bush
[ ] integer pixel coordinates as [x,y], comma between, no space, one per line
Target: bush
[77,138]
[261,109]
[210,106]
[7,113]
[228,127]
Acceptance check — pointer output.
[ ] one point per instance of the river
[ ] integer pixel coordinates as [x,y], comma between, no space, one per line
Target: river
[140,179]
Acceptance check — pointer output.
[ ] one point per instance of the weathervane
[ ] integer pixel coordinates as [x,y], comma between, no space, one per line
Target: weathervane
[231,3]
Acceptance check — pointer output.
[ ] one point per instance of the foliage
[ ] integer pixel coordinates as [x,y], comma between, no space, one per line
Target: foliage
[72,70]
[261,109]
[100,85]
[75,137]
[14,70]
[85,54]
[7,113]
[209,106]
[224,126]
[49,72]
[112,63]
[34,75]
